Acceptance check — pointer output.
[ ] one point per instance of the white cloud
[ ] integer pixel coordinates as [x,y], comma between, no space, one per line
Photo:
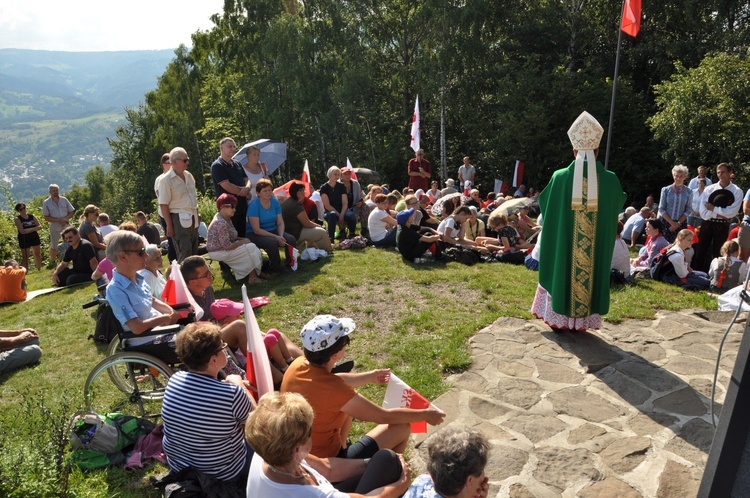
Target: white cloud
[88,25]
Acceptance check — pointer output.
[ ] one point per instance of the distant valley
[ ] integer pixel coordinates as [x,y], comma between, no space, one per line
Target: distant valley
[57,110]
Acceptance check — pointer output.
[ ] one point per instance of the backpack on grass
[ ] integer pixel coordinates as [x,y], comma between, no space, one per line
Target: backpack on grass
[661,266]
[101,441]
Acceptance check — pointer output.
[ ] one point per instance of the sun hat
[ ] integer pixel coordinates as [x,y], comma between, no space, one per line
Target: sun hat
[222,308]
[324,330]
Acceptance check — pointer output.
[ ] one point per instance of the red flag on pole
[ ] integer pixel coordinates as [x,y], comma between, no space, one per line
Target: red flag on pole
[399,394]
[631,17]
[415,127]
[518,174]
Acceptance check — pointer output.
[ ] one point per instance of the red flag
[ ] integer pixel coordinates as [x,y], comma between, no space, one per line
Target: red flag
[349,165]
[631,17]
[518,174]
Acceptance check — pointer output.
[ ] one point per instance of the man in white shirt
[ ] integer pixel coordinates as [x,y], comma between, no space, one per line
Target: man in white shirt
[178,201]
[466,173]
[57,211]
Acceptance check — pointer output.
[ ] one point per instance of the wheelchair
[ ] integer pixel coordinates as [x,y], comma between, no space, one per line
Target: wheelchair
[139,366]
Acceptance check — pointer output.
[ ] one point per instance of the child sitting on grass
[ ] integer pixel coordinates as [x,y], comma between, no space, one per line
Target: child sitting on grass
[727,271]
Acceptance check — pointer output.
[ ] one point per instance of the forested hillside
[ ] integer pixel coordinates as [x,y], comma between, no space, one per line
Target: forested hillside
[338,79]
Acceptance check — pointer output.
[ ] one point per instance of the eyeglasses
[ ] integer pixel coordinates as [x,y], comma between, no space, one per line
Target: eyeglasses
[141,252]
[207,275]
[186,160]
[229,206]
[224,346]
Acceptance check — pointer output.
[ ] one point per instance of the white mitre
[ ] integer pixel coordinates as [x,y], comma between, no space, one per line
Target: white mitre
[585,134]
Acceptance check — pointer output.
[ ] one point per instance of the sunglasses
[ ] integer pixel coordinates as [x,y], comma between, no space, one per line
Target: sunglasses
[140,252]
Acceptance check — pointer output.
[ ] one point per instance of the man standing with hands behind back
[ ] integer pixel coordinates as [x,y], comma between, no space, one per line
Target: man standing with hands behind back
[419,170]
[230,178]
[178,201]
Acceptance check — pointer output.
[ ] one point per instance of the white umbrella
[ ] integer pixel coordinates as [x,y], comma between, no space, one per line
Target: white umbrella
[512,206]
[272,154]
[437,208]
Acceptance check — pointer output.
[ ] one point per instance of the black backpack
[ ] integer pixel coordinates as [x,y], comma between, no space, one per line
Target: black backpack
[661,266]
[107,326]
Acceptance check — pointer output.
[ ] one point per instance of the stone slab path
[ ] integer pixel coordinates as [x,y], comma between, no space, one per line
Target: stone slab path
[623,412]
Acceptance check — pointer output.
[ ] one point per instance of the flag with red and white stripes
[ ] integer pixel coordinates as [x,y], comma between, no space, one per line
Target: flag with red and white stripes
[518,174]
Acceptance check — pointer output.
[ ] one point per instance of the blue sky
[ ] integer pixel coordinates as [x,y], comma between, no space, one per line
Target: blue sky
[104,25]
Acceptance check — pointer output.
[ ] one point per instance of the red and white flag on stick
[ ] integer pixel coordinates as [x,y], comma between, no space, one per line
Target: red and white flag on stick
[258,365]
[415,127]
[518,174]
[307,179]
[349,165]
[399,394]
[500,186]
[176,292]
[631,17]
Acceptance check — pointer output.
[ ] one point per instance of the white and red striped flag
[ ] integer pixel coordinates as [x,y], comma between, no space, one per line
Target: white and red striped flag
[258,365]
[518,174]
[307,179]
[500,186]
[349,165]
[176,292]
[415,127]
[399,394]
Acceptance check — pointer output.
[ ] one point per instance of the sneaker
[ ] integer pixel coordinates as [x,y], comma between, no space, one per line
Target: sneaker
[420,261]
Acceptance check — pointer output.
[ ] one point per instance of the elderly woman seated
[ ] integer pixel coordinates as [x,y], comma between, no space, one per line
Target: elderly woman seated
[299,224]
[223,244]
[280,432]
[203,416]
[152,272]
[456,461]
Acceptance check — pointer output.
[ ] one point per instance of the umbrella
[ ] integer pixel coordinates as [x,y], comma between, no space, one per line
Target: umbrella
[512,206]
[272,154]
[437,208]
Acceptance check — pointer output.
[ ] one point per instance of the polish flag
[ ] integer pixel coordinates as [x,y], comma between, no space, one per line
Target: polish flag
[631,17]
[306,179]
[518,174]
[415,127]
[398,394]
[258,365]
[500,186]
[176,291]
[349,165]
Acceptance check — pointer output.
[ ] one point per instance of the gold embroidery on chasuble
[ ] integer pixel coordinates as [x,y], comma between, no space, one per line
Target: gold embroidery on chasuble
[582,267]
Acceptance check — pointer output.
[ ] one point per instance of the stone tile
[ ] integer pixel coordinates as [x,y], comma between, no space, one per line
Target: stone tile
[560,467]
[519,491]
[648,351]
[471,381]
[610,487]
[550,350]
[687,365]
[693,441]
[495,433]
[677,480]
[505,462]
[536,428]
[514,368]
[651,423]
[481,361]
[521,393]
[482,338]
[703,387]
[579,402]
[624,455]
[683,402]
[554,372]
[592,351]
[649,375]
[671,329]
[585,433]
[509,350]
[614,382]
[485,409]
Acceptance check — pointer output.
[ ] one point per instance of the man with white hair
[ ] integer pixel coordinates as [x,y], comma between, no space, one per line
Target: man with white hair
[580,206]
[178,201]
[57,211]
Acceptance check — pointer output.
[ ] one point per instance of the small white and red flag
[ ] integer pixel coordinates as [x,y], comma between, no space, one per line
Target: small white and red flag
[176,292]
[349,165]
[399,394]
[258,365]
[415,127]
[500,186]
[518,174]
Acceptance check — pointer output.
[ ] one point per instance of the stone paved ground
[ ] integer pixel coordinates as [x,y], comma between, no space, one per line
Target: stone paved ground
[623,412]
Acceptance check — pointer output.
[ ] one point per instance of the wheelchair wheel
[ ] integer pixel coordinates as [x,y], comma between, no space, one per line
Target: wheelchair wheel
[139,382]
[114,346]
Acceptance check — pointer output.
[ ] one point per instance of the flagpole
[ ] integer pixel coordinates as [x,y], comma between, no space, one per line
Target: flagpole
[614,91]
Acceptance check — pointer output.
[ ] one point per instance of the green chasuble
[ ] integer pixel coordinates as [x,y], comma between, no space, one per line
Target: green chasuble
[576,253]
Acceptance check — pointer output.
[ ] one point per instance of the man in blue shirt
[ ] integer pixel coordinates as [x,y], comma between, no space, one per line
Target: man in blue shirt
[635,227]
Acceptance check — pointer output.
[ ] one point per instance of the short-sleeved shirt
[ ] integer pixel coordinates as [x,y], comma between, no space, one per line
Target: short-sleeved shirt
[422,487]
[334,194]
[267,218]
[508,232]
[151,233]
[205,301]
[635,222]
[448,227]
[222,170]
[327,393]
[80,256]
[290,209]
[376,224]
[87,229]
[130,299]
[204,422]
[179,195]
[60,210]
[105,267]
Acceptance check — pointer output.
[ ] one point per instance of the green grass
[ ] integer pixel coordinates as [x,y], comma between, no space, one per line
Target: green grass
[414,319]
